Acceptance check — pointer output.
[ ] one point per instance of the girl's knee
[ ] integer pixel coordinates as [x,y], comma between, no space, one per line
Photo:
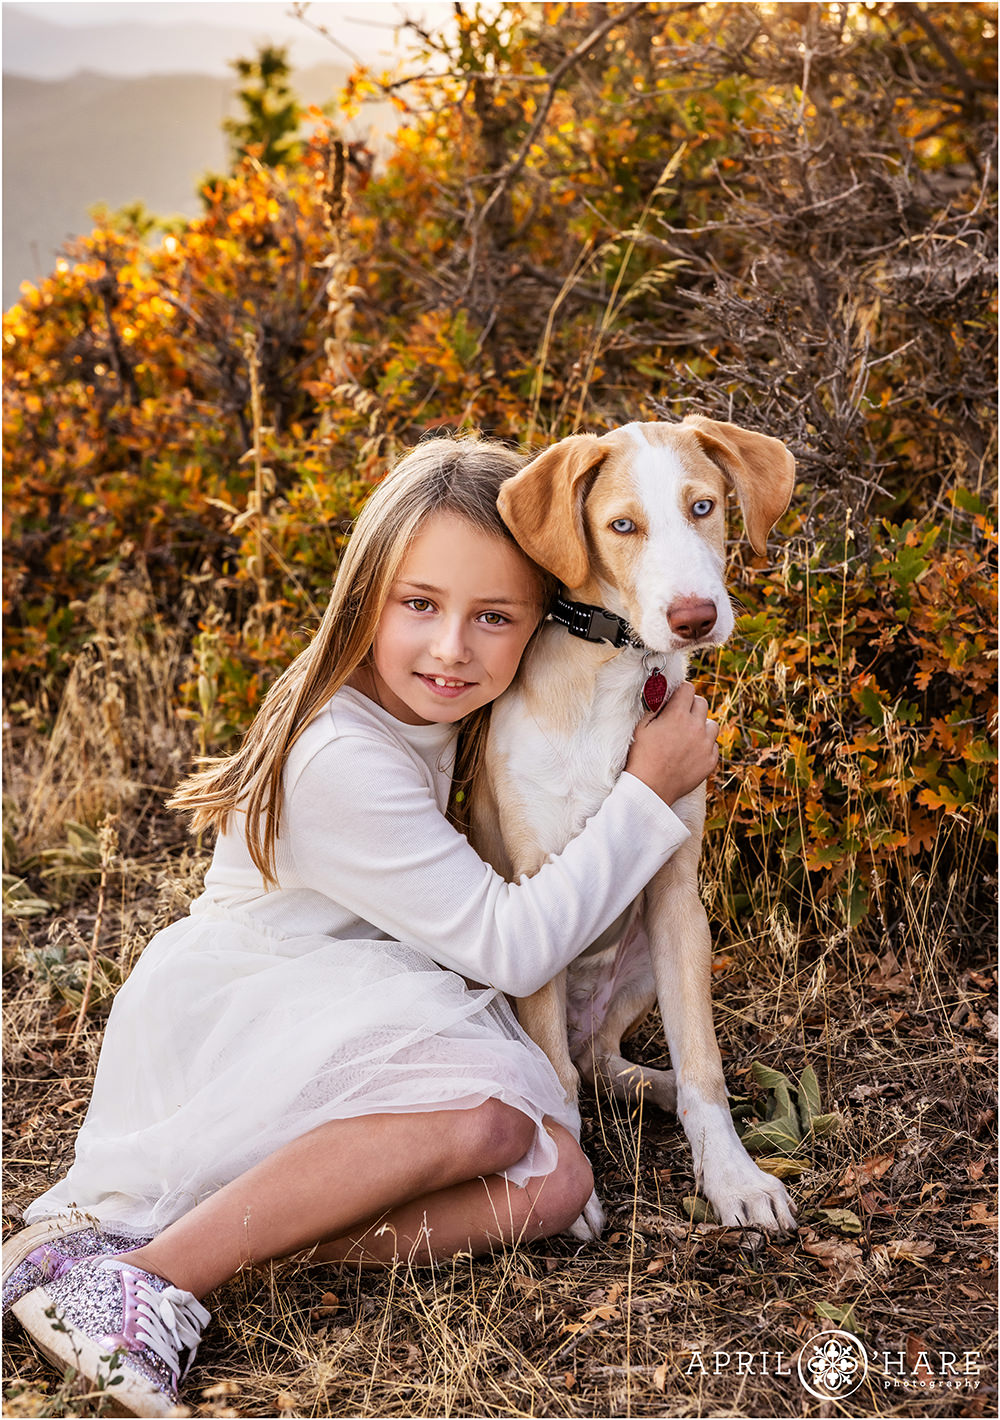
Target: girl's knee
[499,1136]
[558,1198]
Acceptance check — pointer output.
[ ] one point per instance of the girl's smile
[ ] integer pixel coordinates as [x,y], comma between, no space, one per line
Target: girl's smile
[446,688]
[454,626]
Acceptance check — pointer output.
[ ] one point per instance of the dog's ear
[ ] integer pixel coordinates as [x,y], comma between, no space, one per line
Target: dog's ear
[543,506]
[760,469]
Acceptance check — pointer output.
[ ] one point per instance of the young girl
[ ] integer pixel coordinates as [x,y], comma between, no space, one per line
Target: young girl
[321,1055]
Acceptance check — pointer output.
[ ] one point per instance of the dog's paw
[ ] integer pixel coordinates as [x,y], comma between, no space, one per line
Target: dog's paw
[590,1224]
[744,1196]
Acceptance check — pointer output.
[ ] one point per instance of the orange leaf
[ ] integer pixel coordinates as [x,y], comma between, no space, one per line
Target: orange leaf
[601,1314]
[917,1358]
[858,1175]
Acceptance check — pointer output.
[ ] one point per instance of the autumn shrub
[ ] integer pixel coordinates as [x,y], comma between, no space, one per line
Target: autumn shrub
[853,700]
[780,215]
[127,407]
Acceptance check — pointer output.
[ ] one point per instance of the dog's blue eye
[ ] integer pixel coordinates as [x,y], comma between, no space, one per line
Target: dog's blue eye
[702,508]
[623,525]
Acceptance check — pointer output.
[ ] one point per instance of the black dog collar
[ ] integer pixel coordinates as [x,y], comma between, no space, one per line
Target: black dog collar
[593,623]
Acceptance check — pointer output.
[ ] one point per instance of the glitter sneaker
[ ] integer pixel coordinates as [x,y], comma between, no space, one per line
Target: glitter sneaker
[47,1250]
[123,1330]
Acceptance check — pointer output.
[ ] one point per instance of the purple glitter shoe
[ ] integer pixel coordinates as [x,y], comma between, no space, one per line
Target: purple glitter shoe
[122,1330]
[47,1250]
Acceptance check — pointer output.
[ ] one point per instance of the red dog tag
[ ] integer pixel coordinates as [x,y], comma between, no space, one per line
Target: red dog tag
[654,691]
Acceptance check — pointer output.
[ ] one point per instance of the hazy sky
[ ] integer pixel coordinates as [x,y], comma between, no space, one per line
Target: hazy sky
[364,27]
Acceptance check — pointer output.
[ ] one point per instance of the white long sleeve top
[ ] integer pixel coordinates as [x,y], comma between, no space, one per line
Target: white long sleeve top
[365,852]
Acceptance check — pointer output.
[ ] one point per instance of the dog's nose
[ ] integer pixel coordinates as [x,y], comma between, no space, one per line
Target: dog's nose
[691,618]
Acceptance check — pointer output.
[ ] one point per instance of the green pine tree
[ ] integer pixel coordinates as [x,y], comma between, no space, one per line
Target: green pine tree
[271,111]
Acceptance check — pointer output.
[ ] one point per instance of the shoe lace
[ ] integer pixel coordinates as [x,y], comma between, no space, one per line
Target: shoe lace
[169,1322]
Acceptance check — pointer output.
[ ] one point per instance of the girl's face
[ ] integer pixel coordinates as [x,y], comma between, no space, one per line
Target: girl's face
[454,626]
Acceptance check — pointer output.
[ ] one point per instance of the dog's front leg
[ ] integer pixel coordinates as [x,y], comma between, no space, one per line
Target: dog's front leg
[681,954]
[543,1017]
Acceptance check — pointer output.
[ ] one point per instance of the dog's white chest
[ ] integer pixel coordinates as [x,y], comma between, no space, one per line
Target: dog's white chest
[564,772]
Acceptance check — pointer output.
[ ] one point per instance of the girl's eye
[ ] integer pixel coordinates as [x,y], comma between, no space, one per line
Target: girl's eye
[623,525]
[702,508]
[494,618]
[418,603]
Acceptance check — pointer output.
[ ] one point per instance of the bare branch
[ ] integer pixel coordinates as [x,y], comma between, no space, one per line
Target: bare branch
[510,172]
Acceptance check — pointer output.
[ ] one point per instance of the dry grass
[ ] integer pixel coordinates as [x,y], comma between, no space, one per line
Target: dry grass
[115,736]
[899,1025]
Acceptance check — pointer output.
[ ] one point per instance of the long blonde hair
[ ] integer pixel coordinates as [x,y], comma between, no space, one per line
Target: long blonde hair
[460,476]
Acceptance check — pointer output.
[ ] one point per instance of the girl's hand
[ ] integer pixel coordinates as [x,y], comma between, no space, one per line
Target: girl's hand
[674,750]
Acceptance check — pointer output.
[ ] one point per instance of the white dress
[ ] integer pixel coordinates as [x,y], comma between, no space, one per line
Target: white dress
[348,989]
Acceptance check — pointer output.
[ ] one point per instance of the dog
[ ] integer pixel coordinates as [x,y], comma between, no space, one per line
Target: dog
[632,523]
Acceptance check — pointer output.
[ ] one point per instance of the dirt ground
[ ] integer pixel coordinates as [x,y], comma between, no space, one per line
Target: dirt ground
[663,1316]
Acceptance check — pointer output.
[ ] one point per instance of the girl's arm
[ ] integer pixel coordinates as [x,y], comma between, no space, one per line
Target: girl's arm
[362,827]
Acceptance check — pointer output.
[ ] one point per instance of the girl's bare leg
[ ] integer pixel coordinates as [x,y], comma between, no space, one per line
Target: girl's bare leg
[330,1181]
[474,1217]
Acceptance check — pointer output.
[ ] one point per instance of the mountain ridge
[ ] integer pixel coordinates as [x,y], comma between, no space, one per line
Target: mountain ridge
[71,144]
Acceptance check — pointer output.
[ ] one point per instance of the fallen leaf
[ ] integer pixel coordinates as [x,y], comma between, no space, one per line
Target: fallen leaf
[843,1259]
[605,1313]
[657,1265]
[860,1093]
[696,1209]
[842,1219]
[905,1250]
[979,1218]
[660,1378]
[975,1169]
[872,1201]
[842,1315]
[569,1380]
[783,1168]
[781,1135]
[857,1175]
[602,1313]
[329,1305]
[891,977]
[982,1121]
[917,1358]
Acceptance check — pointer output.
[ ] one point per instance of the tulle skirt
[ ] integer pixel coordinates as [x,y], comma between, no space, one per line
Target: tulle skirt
[228,1040]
